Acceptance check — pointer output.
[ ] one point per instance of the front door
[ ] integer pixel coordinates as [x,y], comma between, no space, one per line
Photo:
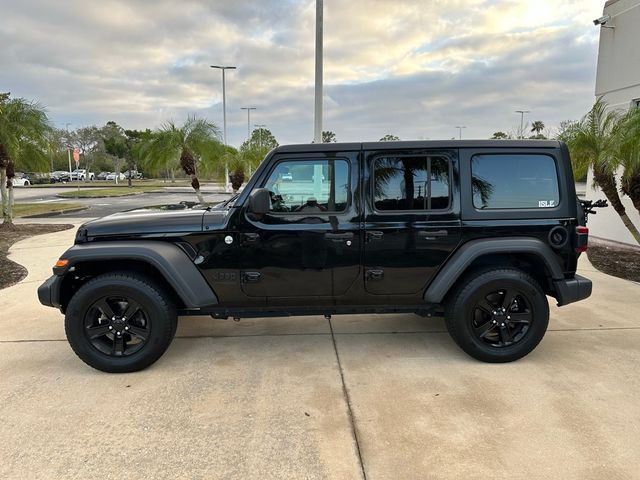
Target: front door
[308,245]
[412,223]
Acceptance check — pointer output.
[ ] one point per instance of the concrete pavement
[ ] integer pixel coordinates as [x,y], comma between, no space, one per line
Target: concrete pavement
[386,396]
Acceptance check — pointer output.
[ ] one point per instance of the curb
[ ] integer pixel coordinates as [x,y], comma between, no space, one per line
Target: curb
[56,213]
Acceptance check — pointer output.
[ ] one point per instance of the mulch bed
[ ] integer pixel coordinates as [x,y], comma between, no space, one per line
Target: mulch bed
[10,272]
[617,259]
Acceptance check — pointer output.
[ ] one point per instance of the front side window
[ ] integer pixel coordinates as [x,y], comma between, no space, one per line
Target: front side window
[309,186]
[411,183]
[514,181]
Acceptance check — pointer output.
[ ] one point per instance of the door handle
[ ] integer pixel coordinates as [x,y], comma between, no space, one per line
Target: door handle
[339,236]
[427,235]
[374,234]
[251,237]
[250,277]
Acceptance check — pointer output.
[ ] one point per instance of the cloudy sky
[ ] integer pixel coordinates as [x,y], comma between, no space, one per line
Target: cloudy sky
[414,68]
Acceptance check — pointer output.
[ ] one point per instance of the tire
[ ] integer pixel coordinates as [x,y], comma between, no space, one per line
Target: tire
[497,315]
[100,308]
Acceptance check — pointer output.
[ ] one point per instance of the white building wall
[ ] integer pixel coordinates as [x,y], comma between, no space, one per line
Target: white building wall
[618,81]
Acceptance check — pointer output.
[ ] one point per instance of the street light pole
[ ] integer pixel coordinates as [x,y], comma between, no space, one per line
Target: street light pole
[68,149]
[227,186]
[248,109]
[460,131]
[317,124]
[522,112]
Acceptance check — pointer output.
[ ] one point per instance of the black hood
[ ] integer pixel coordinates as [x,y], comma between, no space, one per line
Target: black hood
[160,221]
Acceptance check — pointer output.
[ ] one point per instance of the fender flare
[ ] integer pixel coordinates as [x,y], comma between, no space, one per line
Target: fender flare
[169,259]
[470,251]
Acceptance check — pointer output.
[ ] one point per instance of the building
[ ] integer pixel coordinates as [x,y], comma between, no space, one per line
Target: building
[618,81]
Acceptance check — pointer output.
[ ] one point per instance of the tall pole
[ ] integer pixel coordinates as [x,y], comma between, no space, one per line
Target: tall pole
[522,112]
[317,124]
[460,132]
[248,109]
[227,185]
[68,149]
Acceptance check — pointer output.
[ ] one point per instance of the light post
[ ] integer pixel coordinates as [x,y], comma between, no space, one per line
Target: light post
[248,109]
[522,112]
[68,149]
[227,186]
[460,131]
[260,126]
[317,123]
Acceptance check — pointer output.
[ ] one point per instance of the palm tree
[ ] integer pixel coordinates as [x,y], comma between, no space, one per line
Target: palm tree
[194,142]
[23,126]
[594,143]
[537,127]
[629,156]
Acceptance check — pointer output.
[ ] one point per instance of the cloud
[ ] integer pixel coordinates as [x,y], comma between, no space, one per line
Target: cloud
[412,68]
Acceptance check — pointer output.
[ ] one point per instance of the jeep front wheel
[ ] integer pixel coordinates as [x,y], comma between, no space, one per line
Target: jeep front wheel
[120,322]
[498,316]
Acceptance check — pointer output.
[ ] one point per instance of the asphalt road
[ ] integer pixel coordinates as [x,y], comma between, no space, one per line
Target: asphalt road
[100,207]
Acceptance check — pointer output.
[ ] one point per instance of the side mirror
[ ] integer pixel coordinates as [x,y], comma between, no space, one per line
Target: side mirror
[260,202]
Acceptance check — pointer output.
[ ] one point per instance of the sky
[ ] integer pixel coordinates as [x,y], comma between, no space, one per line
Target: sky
[415,69]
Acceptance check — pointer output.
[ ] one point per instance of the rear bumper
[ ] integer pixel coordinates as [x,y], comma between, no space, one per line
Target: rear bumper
[49,292]
[572,290]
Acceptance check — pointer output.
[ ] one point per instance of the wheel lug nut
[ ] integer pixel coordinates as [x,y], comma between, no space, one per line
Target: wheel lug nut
[113,318]
[126,328]
[495,321]
[502,325]
[110,327]
[508,317]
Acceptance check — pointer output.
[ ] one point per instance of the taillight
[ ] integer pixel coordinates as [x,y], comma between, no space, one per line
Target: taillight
[583,239]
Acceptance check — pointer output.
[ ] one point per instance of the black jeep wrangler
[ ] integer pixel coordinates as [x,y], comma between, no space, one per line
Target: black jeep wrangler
[482,231]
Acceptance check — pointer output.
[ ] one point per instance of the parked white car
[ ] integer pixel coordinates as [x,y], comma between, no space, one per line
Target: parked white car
[113,175]
[81,174]
[21,182]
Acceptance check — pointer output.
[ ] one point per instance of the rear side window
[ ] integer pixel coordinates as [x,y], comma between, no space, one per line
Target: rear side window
[411,183]
[514,181]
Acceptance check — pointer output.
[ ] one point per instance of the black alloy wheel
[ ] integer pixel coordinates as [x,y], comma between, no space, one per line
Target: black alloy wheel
[502,318]
[120,322]
[497,315]
[117,326]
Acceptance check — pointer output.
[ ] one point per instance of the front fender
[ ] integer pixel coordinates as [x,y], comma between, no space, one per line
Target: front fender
[170,260]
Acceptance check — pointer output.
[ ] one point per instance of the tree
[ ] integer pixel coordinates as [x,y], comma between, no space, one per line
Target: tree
[23,125]
[195,142]
[135,140]
[628,156]
[90,142]
[260,138]
[328,137]
[389,138]
[594,142]
[500,136]
[537,128]
[115,145]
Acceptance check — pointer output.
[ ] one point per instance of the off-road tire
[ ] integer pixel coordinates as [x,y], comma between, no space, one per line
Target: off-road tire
[154,304]
[462,312]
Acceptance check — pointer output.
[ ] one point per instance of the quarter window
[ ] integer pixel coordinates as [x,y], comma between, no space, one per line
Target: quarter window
[411,183]
[514,181]
[309,186]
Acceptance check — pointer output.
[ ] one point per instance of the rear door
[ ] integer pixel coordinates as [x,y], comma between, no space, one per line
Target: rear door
[412,219]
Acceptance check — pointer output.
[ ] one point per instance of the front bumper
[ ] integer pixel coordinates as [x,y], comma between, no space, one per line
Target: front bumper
[572,290]
[49,292]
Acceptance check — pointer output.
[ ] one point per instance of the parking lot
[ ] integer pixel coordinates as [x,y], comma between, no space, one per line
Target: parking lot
[386,397]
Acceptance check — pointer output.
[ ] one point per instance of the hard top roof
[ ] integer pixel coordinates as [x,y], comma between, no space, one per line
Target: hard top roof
[415,144]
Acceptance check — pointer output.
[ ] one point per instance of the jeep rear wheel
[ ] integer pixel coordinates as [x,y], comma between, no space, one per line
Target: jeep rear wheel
[120,322]
[498,315]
